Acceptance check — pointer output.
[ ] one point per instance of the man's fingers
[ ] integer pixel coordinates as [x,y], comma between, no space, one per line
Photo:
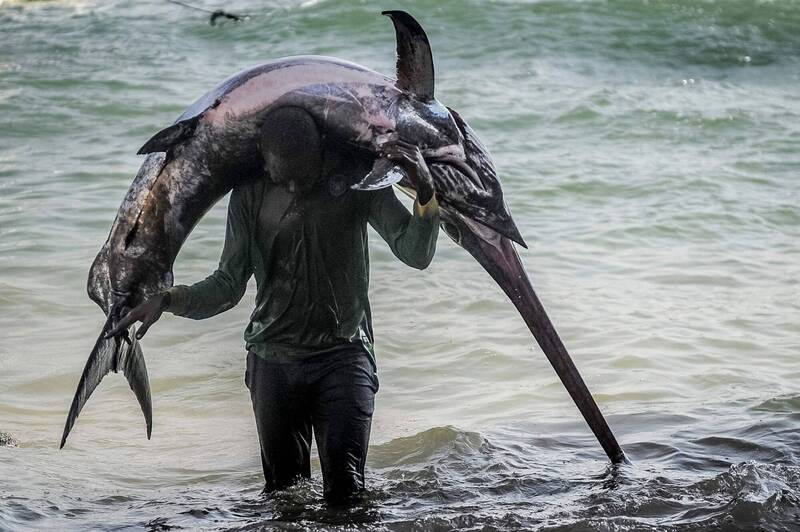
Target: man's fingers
[403,159]
[412,150]
[400,146]
[143,329]
[116,330]
[395,145]
[400,140]
[413,154]
[388,148]
[408,145]
[122,325]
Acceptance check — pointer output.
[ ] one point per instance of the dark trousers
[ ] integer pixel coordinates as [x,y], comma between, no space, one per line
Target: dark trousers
[332,393]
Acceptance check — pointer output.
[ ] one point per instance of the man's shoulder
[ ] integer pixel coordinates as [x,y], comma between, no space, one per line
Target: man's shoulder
[246,193]
[249,188]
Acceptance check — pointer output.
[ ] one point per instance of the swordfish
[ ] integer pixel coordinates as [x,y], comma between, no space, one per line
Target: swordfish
[213,147]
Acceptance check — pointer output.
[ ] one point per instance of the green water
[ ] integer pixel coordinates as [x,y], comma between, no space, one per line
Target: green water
[649,155]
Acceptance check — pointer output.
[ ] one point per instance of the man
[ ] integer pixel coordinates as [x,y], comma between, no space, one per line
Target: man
[302,232]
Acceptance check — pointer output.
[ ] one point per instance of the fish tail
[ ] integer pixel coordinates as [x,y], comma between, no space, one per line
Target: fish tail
[135,372]
[112,354]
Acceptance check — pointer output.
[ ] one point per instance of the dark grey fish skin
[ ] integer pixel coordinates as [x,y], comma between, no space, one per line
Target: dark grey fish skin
[213,147]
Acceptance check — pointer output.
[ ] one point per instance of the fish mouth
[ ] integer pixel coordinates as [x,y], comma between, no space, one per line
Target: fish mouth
[497,255]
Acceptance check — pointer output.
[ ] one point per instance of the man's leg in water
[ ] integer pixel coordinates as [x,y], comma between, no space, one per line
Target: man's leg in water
[283,419]
[343,387]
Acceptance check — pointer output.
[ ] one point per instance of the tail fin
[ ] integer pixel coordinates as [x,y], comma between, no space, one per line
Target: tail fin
[112,354]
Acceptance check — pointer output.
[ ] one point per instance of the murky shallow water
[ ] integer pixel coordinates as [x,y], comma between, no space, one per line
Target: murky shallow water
[649,156]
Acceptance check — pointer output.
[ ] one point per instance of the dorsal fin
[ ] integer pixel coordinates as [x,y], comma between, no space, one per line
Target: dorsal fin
[167,138]
[414,58]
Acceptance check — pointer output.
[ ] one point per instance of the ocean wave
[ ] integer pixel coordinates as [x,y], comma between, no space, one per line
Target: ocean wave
[533,477]
[720,34]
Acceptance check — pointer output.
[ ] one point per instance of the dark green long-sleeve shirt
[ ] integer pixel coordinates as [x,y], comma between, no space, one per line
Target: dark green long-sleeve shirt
[310,259]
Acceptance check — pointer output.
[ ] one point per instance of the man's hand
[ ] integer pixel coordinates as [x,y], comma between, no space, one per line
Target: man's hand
[410,158]
[147,312]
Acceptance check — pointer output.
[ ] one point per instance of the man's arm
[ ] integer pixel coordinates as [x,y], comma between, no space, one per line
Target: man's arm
[224,288]
[412,238]
[216,293]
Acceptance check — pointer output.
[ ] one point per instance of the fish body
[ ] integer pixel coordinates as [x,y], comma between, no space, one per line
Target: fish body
[214,146]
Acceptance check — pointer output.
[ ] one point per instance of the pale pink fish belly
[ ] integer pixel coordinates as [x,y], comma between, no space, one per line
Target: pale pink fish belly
[261,91]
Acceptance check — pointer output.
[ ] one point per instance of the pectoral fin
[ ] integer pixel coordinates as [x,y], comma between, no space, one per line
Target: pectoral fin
[384,174]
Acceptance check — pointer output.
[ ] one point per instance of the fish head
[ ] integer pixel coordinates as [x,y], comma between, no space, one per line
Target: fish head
[429,125]
[462,170]
[463,175]
[466,182]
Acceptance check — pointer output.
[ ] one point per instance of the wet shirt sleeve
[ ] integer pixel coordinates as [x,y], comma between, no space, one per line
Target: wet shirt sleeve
[412,238]
[224,288]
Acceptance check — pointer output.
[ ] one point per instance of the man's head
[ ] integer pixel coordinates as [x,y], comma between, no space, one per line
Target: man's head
[291,147]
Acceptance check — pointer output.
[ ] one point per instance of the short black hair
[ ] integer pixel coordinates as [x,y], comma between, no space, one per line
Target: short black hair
[291,145]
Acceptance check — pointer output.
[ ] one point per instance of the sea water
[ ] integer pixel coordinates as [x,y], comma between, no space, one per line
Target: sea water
[650,154]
